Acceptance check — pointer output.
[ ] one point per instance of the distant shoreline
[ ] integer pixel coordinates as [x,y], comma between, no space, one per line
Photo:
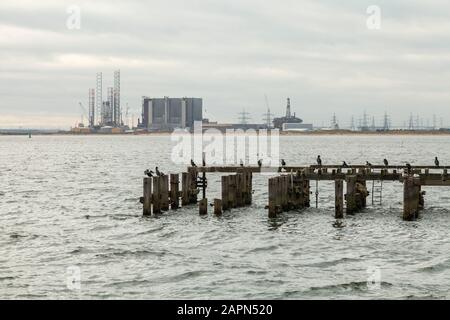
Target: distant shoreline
[299,133]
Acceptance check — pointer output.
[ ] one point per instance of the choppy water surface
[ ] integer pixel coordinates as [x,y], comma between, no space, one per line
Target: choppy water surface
[73,201]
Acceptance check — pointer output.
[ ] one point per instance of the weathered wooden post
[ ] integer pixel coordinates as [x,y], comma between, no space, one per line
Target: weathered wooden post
[285,192]
[225,193]
[306,193]
[273,187]
[156,195]
[339,199]
[239,190]
[174,191]
[361,193]
[147,196]
[411,198]
[350,196]
[193,191]
[249,197]
[184,189]
[164,180]
[203,207]
[232,189]
[204,176]
[217,207]
[298,191]
[279,196]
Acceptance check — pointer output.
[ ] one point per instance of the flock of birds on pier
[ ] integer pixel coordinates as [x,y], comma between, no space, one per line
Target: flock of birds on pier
[158,173]
[345,165]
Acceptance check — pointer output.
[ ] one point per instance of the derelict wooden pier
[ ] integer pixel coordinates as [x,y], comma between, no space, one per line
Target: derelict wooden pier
[290,187]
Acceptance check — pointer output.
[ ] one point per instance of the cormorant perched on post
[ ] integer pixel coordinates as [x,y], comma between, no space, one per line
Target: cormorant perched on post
[344,164]
[319,161]
[408,168]
[158,173]
[436,161]
[386,163]
[193,163]
[148,173]
[368,164]
[241,163]
[260,163]
[283,163]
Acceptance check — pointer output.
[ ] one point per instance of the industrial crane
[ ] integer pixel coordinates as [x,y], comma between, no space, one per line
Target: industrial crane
[127,116]
[83,114]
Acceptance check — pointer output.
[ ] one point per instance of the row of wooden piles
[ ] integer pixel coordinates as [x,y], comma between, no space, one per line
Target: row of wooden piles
[236,193]
[292,191]
[288,192]
[163,192]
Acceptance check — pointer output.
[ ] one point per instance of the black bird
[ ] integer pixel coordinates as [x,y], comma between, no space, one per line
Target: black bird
[283,163]
[149,173]
[319,161]
[242,163]
[408,168]
[386,163]
[344,164]
[260,163]
[158,173]
[436,161]
[193,163]
[368,164]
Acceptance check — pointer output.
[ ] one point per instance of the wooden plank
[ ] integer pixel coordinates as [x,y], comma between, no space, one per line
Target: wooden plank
[147,196]
[339,199]
[217,207]
[193,191]
[174,191]
[350,197]
[232,191]
[225,193]
[203,207]
[279,197]
[239,190]
[273,184]
[306,193]
[284,193]
[164,180]
[256,169]
[249,197]
[184,189]
[156,199]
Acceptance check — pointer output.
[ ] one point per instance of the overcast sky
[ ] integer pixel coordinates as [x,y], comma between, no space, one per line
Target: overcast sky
[231,53]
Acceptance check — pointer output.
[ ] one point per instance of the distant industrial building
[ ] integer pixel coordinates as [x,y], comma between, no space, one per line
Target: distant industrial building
[290,122]
[297,127]
[166,114]
[288,118]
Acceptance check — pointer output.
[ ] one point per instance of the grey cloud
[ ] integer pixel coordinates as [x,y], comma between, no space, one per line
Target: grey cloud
[231,53]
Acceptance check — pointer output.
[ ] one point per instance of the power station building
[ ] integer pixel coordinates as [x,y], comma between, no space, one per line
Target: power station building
[170,113]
